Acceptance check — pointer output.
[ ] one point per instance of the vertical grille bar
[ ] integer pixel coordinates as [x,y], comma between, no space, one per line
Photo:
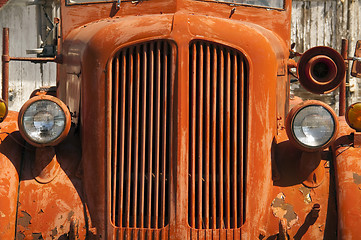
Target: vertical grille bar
[234,114]
[129,138]
[227,140]
[150,134]
[143,136]
[122,136]
[164,137]
[200,135]
[192,148]
[157,134]
[141,101]
[115,63]
[206,134]
[136,136]
[217,122]
[171,89]
[220,137]
[242,135]
[213,137]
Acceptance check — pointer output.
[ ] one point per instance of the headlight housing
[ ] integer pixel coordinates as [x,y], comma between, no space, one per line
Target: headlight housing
[3,110]
[44,121]
[353,116]
[312,125]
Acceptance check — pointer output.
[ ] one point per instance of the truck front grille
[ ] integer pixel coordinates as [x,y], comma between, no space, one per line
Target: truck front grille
[143,78]
[217,122]
[143,83]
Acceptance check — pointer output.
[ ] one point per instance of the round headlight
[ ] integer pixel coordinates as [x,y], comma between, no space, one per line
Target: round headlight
[353,116]
[3,110]
[44,121]
[312,125]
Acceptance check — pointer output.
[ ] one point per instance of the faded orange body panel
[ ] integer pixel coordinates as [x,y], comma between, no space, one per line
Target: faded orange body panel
[185,123]
[82,14]
[50,204]
[10,162]
[181,28]
[264,43]
[295,200]
[347,171]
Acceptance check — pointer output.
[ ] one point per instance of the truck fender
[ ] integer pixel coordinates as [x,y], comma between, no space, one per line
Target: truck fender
[347,165]
[11,148]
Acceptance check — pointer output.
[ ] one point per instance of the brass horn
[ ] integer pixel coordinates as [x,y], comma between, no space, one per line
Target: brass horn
[321,70]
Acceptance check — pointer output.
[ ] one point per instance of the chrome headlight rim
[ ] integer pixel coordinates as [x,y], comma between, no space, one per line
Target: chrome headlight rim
[60,137]
[290,123]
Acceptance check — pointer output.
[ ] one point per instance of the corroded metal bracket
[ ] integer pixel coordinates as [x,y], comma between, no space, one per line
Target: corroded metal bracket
[357,139]
[45,167]
[315,178]
[5,65]
[6,60]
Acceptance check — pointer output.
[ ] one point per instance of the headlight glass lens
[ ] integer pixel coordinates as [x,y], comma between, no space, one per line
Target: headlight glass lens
[3,110]
[44,121]
[353,116]
[313,126]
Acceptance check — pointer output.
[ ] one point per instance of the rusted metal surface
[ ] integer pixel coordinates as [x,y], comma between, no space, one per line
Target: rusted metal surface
[283,233]
[347,171]
[181,132]
[357,139]
[356,66]
[211,86]
[139,186]
[182,29]
[342,100]
[321,69]
[178,225]
[36,59]
[10,160]
[312,217]
[54,208]
[295,196]
[284,212]
[5,66]
[45,166]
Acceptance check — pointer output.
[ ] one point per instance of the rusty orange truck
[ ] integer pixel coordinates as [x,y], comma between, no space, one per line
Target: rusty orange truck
[172,119]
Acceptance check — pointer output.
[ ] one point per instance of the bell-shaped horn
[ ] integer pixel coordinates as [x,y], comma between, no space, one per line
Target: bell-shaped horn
[321,70]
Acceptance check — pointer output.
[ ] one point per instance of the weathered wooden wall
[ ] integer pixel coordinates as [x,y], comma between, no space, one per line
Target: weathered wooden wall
[21,19]
[314,23]
[326,22]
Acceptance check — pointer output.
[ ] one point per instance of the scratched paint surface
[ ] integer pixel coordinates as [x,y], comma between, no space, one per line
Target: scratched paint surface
[55,209]
[10,157]
[314,23]
[348,179]
[293,202]
[52,210]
